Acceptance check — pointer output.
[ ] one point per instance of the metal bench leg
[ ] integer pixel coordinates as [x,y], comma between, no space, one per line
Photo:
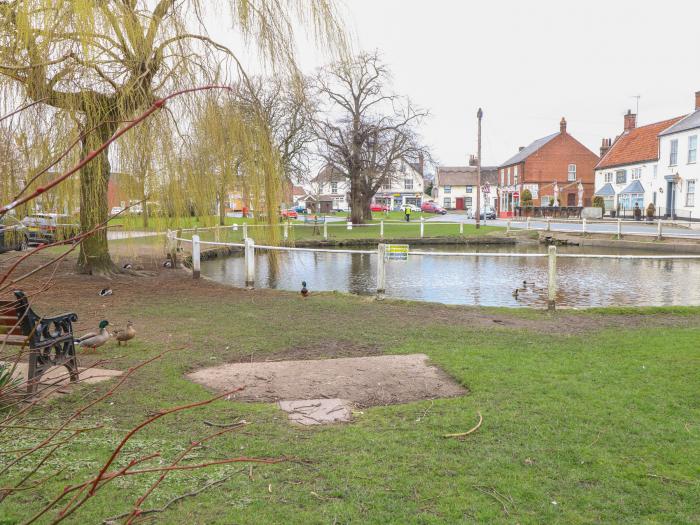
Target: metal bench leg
[32,376]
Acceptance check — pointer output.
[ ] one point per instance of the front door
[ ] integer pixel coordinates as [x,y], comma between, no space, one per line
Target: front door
[460,203]
[670,199]
[571,199]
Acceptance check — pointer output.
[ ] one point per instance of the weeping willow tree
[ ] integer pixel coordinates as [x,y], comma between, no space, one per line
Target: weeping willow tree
[105,61]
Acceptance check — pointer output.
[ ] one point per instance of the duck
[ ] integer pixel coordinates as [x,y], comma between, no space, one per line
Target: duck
[95,340]
[105,292]
[528,283]
[168,264]
[516,292]
[304,289]
[123,336]
[128,266]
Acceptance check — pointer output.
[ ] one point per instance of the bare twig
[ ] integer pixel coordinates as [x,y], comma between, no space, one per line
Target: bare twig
[462,434]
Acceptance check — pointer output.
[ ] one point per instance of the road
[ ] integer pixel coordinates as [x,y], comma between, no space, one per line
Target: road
[609,227]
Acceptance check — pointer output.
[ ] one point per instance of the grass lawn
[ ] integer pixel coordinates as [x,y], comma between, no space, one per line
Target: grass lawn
[589,417]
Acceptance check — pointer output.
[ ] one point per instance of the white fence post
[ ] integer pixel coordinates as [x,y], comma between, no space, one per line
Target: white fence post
[250,264]
[619,229]
[552,283]
[349,225]
[528,223]
[196,256]
[285,226]
[461,228]
[583,228]
[245,231]
[659,231]
[217,233]
[549,224]
[381,269]
[508,226]
[325,229]
[422,226]
[381,229]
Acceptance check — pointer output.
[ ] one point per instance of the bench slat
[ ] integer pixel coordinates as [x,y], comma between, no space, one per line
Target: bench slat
[13,340]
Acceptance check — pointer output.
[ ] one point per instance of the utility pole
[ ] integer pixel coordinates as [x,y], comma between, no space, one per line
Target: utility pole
[479,115]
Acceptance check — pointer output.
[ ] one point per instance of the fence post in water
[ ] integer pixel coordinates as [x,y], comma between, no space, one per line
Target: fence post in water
[552,283]
[658,232]
[195,257]
[285,227]
[249,264]
[422,227]
[381,271]
[619,229]
[245,231]
[583,226]
[325,229]
[461,228]
[381,229]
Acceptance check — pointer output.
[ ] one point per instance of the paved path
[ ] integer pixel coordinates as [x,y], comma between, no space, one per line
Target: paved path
[628,227]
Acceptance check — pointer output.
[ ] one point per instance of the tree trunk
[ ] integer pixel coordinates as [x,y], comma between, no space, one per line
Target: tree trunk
[222,209]
[144,204]
[94,179]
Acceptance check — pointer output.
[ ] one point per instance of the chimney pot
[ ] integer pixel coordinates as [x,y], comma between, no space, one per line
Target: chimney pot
[605,147]
[630,120]
[562,125]
[421,163]
[472,160]
[697,100]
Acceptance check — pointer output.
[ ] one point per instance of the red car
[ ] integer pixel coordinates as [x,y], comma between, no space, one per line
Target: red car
[289,214]
[431,207]
[378,207]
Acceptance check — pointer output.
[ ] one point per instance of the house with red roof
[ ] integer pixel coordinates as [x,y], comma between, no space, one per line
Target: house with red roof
[628,172]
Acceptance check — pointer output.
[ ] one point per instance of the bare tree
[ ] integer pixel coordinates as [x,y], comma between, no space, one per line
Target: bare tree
[370,129]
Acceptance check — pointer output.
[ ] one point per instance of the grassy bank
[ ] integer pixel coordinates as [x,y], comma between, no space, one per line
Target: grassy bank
[588,417]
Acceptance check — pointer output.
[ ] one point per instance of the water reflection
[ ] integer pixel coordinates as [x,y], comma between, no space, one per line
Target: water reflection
[484,281]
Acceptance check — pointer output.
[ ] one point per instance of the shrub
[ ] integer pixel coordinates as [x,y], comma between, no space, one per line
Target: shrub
[599,202]
[651,210]
[526,198]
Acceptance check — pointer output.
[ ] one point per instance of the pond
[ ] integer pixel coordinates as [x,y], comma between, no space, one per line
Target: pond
[483,281]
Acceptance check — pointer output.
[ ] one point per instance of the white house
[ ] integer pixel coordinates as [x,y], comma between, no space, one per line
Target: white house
[455,187]
[628,171]
[678,166]
[405,186]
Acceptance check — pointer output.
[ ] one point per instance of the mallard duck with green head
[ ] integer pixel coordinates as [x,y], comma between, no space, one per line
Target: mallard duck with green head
[95,340]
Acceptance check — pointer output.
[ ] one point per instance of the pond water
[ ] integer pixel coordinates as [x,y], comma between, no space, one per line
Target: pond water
[484,281]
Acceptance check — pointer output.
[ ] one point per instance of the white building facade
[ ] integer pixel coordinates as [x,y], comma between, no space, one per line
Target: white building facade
[455,187]
[405,186]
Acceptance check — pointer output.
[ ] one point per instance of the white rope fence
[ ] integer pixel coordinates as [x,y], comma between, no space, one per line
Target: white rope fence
[249,248]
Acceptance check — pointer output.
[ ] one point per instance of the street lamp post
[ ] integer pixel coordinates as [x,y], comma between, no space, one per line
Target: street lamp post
[479,115]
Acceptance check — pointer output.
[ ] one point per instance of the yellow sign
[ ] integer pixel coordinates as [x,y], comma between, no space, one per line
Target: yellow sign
[397,252]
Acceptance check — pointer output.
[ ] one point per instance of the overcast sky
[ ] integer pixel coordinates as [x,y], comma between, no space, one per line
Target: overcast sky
[528,63]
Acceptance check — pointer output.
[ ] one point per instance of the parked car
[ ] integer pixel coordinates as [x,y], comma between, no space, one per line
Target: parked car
[291,213]
[116,210]
[378,207]
[50,227]
[487,212]
[431,207]
[13,234]
[412,206]
[299,209]
[136,209]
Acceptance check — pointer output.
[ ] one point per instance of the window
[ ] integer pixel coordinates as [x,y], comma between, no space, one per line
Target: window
[620,177]
[447,203]
[692,149]
[571,172]
[636,174]
[468,202]
[515,171]
[654,170]
[408,184]
[334,187]
[448,189]
[690,194]
[503,177]
[608,176]
[628,200]
[469,189]
[508,176]
[673,158]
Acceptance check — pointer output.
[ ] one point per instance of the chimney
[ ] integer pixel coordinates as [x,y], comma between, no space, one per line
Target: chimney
[630,120]
[521,148]
[472,160]
[697,100]
[421,163]
[562,125]
[605,147]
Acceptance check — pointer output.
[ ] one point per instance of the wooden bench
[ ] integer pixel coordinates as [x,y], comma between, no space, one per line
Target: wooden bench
[50,339]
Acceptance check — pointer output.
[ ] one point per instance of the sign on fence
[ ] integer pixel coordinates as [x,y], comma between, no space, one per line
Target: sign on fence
[397,252]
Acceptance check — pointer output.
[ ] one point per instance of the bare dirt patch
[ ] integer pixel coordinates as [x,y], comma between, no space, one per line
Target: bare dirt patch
[365,381]
[317,411]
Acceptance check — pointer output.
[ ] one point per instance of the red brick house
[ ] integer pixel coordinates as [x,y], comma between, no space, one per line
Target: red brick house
[556,158]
